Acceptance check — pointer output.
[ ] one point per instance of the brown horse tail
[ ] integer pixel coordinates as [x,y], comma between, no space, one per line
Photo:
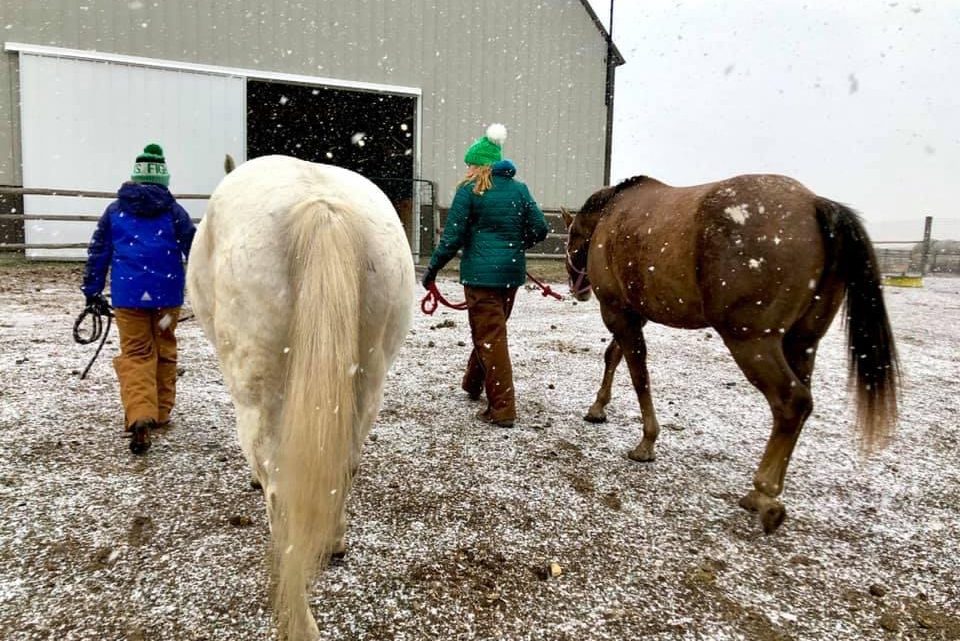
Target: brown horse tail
[872,362]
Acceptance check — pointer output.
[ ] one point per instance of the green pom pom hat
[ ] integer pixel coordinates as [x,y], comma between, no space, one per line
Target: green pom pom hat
[151,167]
[486,150]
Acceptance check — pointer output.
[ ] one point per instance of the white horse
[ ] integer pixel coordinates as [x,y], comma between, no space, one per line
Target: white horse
[302,278]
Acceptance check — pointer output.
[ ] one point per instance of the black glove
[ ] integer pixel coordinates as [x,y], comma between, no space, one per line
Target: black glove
[97,304]
[428,277]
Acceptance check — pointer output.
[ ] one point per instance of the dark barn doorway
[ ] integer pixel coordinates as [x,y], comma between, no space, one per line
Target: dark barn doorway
[370,133]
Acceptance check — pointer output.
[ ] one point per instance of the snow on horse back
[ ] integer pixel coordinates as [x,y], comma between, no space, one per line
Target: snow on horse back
[302,278]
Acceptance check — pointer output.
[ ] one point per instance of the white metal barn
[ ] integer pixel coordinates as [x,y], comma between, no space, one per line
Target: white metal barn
[395,90]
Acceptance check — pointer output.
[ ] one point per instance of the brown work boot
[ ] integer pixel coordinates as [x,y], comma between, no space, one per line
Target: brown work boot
[485,417]
[473,395]
[140,435]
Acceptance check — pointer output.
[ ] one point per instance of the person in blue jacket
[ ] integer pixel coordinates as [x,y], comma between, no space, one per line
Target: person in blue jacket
[142,239]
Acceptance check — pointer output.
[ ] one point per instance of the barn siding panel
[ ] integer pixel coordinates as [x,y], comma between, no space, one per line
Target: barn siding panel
[536,65]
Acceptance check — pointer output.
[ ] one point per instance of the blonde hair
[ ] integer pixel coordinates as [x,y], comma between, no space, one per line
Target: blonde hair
[480,176]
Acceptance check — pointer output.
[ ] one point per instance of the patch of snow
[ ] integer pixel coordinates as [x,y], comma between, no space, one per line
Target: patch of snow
[738,213]
[451,520]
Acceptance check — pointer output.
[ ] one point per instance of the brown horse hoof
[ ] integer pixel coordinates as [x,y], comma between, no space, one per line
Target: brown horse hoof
[772,516]
[643,453]
[749,501]
[595,418]
[255,484]
[771,511]
[338,559]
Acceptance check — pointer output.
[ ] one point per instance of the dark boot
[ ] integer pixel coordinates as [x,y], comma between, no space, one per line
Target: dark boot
[485,417]
[140,435]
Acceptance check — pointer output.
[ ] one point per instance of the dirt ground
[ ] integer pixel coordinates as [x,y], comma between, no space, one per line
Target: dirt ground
[454,524]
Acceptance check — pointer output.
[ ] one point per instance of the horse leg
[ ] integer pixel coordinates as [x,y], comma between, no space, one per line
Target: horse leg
[627,329]
[611,359]
[800,352]
[371,377]
[765,365]
[339,549]
[250,428]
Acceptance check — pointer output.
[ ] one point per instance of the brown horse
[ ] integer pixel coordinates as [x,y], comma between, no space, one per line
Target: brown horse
[764,262]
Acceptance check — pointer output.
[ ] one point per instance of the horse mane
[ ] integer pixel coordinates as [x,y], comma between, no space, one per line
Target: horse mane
[599,199]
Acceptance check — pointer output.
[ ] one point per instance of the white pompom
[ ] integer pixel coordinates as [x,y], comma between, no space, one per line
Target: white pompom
[496,133]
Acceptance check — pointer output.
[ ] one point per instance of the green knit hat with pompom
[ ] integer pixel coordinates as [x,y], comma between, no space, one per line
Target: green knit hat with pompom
[151,167]
[486,150]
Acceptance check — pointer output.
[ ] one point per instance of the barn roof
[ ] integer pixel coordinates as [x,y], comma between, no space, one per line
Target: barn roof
[618,58]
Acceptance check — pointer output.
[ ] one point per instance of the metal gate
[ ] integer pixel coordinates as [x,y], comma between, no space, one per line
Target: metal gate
[417,210]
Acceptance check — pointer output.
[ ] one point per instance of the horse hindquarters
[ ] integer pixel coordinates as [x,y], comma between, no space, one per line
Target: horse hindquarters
[782,368]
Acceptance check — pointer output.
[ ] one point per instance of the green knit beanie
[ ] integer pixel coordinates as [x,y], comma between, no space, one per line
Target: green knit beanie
[151,167]
[486,150]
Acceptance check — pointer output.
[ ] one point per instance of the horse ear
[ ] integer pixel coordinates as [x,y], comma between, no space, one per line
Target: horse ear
[567,218]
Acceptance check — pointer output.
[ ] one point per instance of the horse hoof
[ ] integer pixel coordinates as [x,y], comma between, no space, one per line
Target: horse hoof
[338,559]
[643,453]
[749,501]
[595,418]
[256,484]
[772,517]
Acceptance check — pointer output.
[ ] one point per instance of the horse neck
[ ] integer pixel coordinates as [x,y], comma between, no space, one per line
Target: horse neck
[588,224]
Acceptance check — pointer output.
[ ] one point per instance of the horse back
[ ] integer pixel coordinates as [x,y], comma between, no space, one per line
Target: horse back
[643,253]
[746,251]
[241,283]
[761,252]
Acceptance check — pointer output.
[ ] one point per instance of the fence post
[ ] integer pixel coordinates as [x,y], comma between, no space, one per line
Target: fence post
[927,225]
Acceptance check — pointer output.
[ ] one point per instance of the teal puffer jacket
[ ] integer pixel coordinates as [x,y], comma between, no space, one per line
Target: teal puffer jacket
[494,230]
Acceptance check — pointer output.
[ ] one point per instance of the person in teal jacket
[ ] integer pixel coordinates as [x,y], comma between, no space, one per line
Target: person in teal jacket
[494,220]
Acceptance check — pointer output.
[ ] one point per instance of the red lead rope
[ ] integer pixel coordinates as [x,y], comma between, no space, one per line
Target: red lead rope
[544,287]
[433,297]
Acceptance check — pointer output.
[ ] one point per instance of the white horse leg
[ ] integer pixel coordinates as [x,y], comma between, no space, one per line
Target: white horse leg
[250,371]
[250,430]
[380,345]
[369,391]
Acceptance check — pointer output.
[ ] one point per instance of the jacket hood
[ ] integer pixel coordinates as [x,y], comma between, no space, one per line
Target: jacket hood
[504,168]
[144,199]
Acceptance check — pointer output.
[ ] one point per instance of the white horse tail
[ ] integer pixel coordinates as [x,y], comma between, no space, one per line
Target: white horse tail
[312,463]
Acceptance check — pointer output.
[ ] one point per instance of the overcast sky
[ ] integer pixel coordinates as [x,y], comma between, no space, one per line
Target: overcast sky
[858,99]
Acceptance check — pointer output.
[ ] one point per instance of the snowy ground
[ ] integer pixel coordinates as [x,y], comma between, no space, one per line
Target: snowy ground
[453,522]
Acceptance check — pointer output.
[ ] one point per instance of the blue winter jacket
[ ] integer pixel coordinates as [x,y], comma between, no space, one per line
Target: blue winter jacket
[142,238]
